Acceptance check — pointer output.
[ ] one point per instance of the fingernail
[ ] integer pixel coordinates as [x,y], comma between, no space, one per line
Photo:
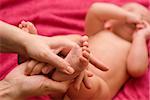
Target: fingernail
[70,70]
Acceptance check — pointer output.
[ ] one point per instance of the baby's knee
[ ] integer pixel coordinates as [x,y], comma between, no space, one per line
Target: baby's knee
[98,91]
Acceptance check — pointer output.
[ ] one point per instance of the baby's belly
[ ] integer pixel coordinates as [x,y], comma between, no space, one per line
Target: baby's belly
[112,51]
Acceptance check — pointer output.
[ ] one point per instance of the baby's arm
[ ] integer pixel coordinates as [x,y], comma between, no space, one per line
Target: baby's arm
[137,62]
[101,12]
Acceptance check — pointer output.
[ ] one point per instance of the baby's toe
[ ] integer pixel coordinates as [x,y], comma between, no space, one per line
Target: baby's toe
[31,28]
[25,29]
[86,55]
[20,26]
[24,24]
[83,39]
[85,44]
[86,49]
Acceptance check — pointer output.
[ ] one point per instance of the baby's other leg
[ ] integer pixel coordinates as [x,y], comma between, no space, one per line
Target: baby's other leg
[78,58]
[28,27]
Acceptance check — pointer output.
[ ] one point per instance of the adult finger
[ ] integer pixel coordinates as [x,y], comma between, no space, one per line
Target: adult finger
[57,62]
[37,69]
[30,66]
[86,81]
[78,81]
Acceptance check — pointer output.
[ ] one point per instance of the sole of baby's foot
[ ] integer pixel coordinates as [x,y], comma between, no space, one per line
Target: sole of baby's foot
[78,58]
[28,27]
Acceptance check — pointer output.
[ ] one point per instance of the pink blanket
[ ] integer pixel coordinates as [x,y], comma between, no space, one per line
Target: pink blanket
[54,17]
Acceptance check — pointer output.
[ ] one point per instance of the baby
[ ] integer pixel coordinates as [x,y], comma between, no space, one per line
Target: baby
[117,37]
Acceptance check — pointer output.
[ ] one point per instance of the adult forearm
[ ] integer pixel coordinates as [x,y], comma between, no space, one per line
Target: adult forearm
[11,38]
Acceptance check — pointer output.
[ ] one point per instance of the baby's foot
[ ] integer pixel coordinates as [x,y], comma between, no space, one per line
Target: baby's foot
[28,27]
[78,58]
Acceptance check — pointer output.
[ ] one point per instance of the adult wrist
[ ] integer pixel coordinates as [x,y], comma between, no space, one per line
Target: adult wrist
[6,91]
[24,42]
[9,91]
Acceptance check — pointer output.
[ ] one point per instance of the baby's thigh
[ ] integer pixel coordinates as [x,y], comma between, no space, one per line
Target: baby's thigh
[98,91]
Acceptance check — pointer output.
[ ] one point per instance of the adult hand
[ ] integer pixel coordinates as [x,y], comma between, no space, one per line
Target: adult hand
[44,49]
[20,86]
[13,39]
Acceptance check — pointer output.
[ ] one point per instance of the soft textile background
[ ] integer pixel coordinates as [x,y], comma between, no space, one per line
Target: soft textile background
[55,17]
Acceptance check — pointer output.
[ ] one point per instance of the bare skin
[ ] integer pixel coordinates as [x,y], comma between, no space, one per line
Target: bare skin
[125,54]
[78,58]
[115,49]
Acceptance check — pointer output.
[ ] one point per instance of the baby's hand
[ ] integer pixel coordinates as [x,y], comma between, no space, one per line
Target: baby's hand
[34,67]
[143,29]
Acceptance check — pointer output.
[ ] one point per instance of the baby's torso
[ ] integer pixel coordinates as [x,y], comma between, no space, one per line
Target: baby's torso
[112,51]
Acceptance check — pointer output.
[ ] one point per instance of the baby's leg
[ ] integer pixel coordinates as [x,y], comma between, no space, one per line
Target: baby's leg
[78,58]
[98,91]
